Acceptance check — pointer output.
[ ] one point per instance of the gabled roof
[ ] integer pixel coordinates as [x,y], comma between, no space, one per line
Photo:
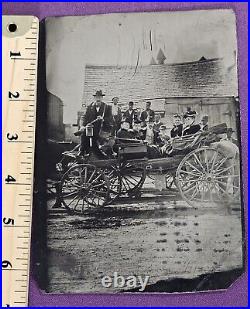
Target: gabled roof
[207,78]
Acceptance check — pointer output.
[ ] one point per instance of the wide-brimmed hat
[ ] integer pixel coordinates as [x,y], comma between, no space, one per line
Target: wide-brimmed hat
[99,94]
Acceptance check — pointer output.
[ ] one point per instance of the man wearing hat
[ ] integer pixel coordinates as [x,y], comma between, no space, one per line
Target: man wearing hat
[189,127]
[100,115]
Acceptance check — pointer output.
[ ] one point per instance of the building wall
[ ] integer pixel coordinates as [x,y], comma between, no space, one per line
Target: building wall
[69,133]
[207,78]
[218,109]
[55,117]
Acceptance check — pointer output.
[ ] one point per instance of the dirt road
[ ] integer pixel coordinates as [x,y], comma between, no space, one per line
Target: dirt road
[155,235]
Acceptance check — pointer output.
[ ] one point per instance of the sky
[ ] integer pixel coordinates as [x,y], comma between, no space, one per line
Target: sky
[130,39]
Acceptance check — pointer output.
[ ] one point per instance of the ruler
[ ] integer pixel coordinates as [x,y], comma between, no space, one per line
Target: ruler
[19,75]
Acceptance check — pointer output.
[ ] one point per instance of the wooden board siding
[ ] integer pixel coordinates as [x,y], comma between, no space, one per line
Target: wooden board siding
[194,79]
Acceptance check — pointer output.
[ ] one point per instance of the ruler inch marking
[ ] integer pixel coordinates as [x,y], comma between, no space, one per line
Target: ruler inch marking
[20,59]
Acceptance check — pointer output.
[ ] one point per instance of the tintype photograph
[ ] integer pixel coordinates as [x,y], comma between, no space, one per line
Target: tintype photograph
[143,153]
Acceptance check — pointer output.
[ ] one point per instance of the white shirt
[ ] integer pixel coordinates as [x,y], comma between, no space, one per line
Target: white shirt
[115,110]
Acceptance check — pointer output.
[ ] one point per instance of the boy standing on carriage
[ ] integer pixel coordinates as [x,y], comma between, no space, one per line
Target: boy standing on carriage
[100,115]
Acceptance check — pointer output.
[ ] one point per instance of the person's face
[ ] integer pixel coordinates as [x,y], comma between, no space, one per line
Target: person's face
[98,99]
[204,121]
[115,101]
[162,133]
[130,106]
[125,125]
[136,127]
[229,134]
[148,105]
[177,121]
[189,121]
[157,118]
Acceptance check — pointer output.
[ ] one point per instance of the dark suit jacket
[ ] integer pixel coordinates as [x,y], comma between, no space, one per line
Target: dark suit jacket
[176,131]
[92,114]
[191,130]
[130,117]
[144,115]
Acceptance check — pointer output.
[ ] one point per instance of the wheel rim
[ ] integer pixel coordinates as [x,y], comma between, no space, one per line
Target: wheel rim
[84,186]
[208,176]
[132,177]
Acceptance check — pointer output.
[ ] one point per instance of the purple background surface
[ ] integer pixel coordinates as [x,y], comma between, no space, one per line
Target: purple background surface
[237,294]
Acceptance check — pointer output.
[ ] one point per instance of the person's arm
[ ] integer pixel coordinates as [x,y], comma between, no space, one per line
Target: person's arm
[142,117]
[153,115]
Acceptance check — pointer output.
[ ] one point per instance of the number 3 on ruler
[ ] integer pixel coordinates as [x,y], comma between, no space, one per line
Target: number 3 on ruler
[12,137]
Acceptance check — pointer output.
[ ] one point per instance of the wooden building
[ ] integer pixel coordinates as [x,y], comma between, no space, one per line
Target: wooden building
[207,86]
[55,117]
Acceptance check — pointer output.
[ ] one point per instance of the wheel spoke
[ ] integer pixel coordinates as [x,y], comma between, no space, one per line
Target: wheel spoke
[226,176]
[199,162]
[129,180]
[220,163]
[213,161]
[224,170]
[73,199]
[193,167]
[77,202]
[71,194]
[91,176]
[196,191]
[98,177]
[190,173]
[189,189]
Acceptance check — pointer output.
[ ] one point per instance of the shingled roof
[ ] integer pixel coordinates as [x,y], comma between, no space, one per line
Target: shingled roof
[207,78]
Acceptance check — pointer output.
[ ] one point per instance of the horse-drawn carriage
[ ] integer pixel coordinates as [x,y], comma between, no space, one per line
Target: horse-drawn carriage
[195,166]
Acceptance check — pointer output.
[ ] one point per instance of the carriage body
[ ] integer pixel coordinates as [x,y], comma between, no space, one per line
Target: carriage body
[201,173]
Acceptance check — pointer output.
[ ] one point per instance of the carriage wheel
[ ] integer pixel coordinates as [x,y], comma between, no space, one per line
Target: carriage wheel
[171,182]
[115,183]
[84,186]
[132,178]
[207,176]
